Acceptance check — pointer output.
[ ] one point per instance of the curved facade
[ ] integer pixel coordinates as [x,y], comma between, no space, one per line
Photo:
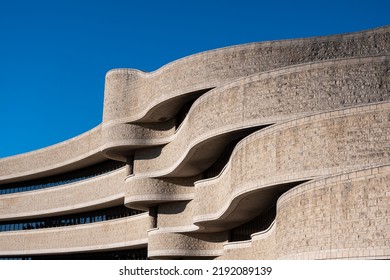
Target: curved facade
[274,150]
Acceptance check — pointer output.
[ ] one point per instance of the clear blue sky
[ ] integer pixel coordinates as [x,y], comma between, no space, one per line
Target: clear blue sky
[54,54]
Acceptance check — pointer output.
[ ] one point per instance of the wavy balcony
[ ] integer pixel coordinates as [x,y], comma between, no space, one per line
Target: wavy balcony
[260,100]
[113,234]
[120,140]
[136,96]
[339,217]
[94,193]
[241,191]
[262,168]
[175,245]
[142,193]
[72,154]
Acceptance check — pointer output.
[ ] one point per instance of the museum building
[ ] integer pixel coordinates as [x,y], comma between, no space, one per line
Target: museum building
[270,150]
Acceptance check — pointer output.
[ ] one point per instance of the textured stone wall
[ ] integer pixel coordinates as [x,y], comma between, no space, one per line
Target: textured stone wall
[341,217]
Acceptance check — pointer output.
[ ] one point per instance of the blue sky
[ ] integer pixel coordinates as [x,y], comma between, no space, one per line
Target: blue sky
[54,54]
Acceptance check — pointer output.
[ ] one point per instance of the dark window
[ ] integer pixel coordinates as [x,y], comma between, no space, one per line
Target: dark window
[74,219]
[135,254]
[62,179]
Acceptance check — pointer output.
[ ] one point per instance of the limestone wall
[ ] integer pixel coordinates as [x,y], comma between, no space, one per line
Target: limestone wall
[340,217]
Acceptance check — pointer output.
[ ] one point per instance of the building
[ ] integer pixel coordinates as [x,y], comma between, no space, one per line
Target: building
[273,150]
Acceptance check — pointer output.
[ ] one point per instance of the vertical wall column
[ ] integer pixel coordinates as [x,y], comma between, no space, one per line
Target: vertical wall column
[130,165]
